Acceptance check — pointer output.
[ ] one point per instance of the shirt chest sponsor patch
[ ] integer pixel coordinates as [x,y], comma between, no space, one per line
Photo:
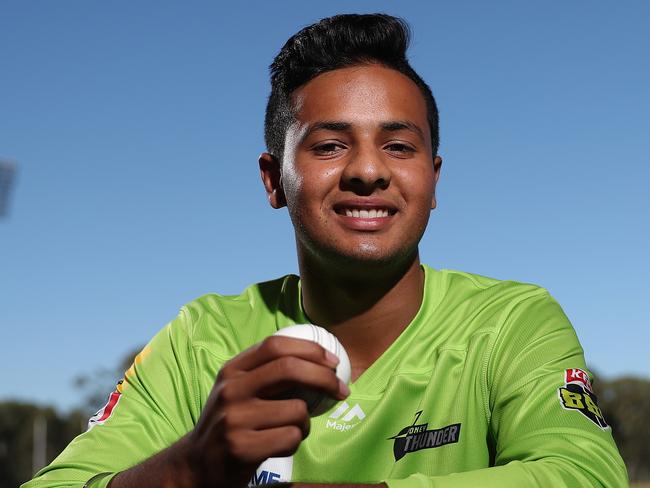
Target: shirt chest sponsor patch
[577,395]
[416,437]
[345,418]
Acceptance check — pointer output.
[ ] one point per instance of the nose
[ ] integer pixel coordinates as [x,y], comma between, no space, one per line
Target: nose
[365,172]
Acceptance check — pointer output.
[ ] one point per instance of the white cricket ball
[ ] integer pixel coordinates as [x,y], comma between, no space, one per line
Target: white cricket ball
[318,403]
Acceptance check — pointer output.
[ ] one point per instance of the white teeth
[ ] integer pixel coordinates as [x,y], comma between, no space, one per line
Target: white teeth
[366,214]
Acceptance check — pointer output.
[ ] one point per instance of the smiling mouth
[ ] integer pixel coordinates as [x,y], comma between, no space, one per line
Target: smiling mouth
[365,213]
[372,213]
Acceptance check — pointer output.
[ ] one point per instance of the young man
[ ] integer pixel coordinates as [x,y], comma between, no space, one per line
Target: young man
[458,380]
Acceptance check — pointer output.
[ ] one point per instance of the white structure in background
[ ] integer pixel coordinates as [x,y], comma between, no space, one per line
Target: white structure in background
[7,175]
[39,450]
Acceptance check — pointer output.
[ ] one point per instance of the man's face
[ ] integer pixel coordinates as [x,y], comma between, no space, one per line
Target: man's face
[358,173]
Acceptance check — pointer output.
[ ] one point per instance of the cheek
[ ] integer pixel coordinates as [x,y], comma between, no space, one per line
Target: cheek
[418,183]
[292,183]
[309,186]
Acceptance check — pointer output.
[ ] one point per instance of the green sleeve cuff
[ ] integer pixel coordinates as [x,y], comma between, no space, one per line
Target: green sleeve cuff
[100,480]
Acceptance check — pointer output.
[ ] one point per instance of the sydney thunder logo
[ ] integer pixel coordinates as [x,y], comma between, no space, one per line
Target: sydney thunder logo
[416,437]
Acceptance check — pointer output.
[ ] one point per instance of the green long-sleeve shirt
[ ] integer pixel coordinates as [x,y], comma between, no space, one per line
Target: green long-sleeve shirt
[486,387]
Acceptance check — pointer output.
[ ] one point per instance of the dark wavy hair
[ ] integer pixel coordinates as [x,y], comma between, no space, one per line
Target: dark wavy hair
[338,42]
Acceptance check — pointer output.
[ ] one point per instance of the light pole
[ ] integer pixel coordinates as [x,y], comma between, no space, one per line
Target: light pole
[7,176]
[39,449]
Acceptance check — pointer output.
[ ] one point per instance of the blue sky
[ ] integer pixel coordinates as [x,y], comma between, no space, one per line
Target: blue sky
[136,128]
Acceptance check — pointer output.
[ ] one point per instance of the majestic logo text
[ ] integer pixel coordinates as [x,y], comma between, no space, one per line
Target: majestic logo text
[338,421]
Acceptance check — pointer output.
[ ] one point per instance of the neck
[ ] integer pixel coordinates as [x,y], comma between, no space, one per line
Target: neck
[365,310]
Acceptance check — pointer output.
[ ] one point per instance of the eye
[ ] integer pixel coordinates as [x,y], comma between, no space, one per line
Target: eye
[399,148]
[327,148]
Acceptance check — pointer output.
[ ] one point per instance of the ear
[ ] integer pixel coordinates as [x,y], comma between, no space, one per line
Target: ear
[437,165]
[272,180]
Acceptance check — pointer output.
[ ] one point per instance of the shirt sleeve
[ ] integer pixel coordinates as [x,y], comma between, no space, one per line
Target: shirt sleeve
[152,407]
[545,426]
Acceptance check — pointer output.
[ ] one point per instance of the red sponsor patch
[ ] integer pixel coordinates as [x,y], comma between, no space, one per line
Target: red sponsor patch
[579,376]
[104,413]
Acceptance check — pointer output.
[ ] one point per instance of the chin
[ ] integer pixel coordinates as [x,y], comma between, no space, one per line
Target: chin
[366,257]
[372,252]
[357,256]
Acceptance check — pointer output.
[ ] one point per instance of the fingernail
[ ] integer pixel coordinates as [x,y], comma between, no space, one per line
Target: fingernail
[331,358]
[344,389]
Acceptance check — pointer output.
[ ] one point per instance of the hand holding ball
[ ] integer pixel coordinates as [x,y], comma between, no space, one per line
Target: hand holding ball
[317,402]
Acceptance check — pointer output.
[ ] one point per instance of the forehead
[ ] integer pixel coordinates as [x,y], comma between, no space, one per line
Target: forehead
[367,94]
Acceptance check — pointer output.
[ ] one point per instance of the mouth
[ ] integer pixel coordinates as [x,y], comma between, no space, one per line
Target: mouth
[365,214]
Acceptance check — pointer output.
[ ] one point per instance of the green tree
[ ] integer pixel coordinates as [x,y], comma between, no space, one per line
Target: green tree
[17,420]
[17,438]
[625,403]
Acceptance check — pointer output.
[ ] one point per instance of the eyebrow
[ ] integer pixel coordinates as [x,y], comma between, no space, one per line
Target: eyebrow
[390,126]
[397,125]
[327,125]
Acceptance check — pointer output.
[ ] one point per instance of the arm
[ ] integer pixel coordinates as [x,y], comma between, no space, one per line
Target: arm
[150,437]
[241,426]
[537,442]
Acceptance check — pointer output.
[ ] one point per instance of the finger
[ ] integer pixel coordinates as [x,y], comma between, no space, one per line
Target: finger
[289,372]
[258,445]
[275,347]
[278,376]
[267,414]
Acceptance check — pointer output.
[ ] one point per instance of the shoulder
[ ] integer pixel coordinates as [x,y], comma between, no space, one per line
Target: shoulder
[240,320]
[267,293]
[463,287]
